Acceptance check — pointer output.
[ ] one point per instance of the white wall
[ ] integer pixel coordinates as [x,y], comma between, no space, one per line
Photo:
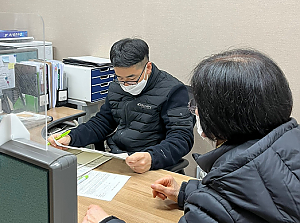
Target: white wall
[179,33]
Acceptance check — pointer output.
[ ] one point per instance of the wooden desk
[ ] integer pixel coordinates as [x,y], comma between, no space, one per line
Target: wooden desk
[56,113]
[134,202]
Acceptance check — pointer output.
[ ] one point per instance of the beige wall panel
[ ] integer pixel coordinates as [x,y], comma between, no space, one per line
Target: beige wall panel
[179,33]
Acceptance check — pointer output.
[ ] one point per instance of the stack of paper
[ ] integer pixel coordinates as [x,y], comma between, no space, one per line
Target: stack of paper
[87,61]
[88,160]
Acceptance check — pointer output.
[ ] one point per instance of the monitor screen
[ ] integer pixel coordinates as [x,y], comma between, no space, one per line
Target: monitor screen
[23,185]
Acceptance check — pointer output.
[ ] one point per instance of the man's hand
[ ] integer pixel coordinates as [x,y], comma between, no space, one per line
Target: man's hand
[65,141]
[94,214]
[139,162]
[166,187]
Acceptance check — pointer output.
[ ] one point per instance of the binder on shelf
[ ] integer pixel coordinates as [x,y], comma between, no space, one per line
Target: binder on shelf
[58,80]
[31,84]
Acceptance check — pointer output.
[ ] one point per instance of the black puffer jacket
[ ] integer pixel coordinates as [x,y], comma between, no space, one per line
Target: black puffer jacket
[258,181]
[156,121]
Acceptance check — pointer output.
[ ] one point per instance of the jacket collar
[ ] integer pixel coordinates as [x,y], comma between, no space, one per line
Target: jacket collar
[152,78]
[216,157]
[207,160]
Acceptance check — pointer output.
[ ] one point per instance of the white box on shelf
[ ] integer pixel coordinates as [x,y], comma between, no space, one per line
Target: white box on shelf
[88,84]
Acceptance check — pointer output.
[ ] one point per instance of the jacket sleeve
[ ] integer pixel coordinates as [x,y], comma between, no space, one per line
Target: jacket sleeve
[202,204]
[179,124]
[112,219]
[96,129]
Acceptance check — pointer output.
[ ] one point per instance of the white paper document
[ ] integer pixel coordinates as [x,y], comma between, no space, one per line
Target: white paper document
[100,185]
[118,156]
[7,71]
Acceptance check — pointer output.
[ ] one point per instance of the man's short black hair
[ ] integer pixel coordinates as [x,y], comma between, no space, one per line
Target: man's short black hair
[241,95]
[128,52]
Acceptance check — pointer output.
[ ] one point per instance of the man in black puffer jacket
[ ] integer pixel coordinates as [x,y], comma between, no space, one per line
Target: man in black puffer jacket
[145,112]
[243,104]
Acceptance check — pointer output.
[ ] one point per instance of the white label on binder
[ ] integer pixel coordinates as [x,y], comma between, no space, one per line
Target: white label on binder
[62,95]
[43,100]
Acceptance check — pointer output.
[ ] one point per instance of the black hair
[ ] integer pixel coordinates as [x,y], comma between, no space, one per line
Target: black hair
[128,52]
[241,95]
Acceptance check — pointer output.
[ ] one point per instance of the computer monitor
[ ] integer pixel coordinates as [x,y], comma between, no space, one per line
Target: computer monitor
[37,185]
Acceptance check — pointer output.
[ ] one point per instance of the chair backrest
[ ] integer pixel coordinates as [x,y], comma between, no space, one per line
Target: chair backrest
[178,167]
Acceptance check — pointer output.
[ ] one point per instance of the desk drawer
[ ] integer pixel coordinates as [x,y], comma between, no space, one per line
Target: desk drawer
[100,87]
[99,95]
[102,71]
[102,79]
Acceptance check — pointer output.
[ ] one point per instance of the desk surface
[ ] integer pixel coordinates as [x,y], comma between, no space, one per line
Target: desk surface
[134,202]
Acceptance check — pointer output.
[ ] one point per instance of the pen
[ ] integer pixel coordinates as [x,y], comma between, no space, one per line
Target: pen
[61,136]
[82,179]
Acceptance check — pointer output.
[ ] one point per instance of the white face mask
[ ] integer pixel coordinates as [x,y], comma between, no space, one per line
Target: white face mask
[135,89]
[199,128]
[213,143]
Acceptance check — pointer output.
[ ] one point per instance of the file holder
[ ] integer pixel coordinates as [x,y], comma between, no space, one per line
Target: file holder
[62,97]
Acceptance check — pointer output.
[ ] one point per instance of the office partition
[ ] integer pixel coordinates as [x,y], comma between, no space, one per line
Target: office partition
[38,182]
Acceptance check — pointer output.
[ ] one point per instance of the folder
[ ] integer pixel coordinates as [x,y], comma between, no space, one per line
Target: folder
[59,84]
[56,82]
[48,76]
[30,82]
